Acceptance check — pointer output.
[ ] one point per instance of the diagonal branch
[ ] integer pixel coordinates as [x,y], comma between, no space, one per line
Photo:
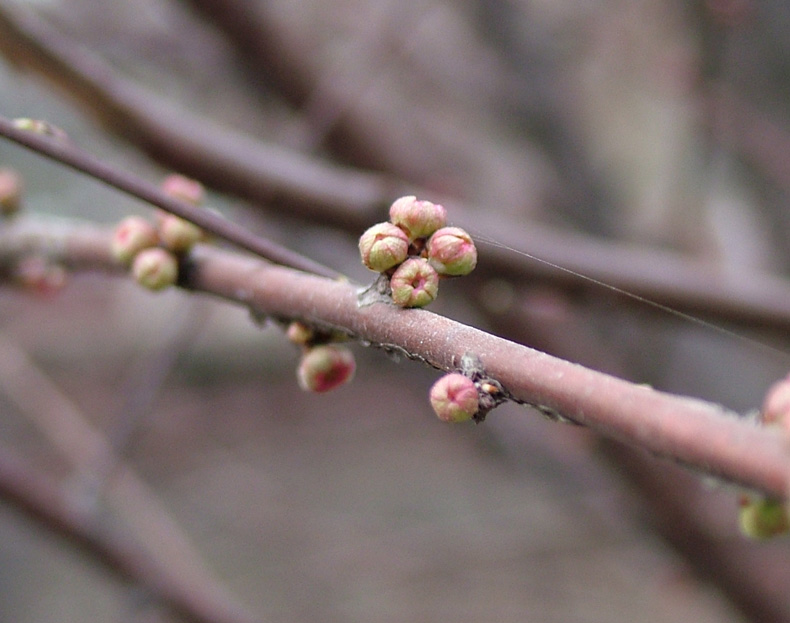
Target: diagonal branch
[693,432]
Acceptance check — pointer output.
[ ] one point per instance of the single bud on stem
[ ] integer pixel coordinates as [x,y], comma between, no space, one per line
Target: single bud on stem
[383,246]
[155,268]
[418,219]
[299,333]
[454,398]
[415,283]
[184,188]
[763,518]
[177,234]
[452,252]
[132,235]
[10,192]
[324,368]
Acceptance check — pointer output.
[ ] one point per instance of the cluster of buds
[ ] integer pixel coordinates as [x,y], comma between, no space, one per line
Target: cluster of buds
[151,250]
[415,248]
[323,366]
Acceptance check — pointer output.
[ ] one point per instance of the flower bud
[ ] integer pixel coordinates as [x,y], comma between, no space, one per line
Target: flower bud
[155,268]
[419,219]
[10,192]
[40,276]
[454,398]
[763,518]
[184,188]
[299,333]
[415,283]
[383,246]
[177,234]
[324,368]
[776,407]
[451,251]
[132,235]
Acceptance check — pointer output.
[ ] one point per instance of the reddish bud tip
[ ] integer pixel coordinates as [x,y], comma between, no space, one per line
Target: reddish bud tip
[415,283]
[324,368]
[184,188]
[454,398]
[419,219]
[155,269]
[383,246]
[132,235]
[451,251]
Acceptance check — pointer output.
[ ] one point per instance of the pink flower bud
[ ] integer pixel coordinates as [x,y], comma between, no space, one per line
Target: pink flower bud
[10,192]
[419,219]
[177,234]
[184,188]
[324,368]
[776,407]
[454,398]
[451,251]
[415,283]
[132,235]
[155,268]
[40,276]
[383,246]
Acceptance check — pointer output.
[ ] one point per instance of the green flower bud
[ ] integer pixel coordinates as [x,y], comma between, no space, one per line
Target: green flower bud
[451,251]
[383,246]
[454,398]
[763,518]
[132,235]
[419,219]
[415,283]
[177,234]
[155,268]
[324,368]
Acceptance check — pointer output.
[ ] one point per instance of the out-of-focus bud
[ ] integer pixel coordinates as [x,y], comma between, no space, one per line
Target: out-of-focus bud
[132,235]
[451,251]
[418,219]
[383,246]
[10,192]
[324,368]
[415,283]
[454,398]
[184,188]
[763,518]
[155,269]
[177,234]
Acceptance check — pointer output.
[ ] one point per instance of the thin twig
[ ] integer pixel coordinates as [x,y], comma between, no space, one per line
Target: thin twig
[70,155]
[696,433]
[43,501]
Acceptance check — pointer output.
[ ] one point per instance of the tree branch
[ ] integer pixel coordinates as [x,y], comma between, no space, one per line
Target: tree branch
[689,431]
[350,199]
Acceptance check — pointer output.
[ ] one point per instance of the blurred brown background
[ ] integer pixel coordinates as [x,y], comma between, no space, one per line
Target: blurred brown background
[659,124]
